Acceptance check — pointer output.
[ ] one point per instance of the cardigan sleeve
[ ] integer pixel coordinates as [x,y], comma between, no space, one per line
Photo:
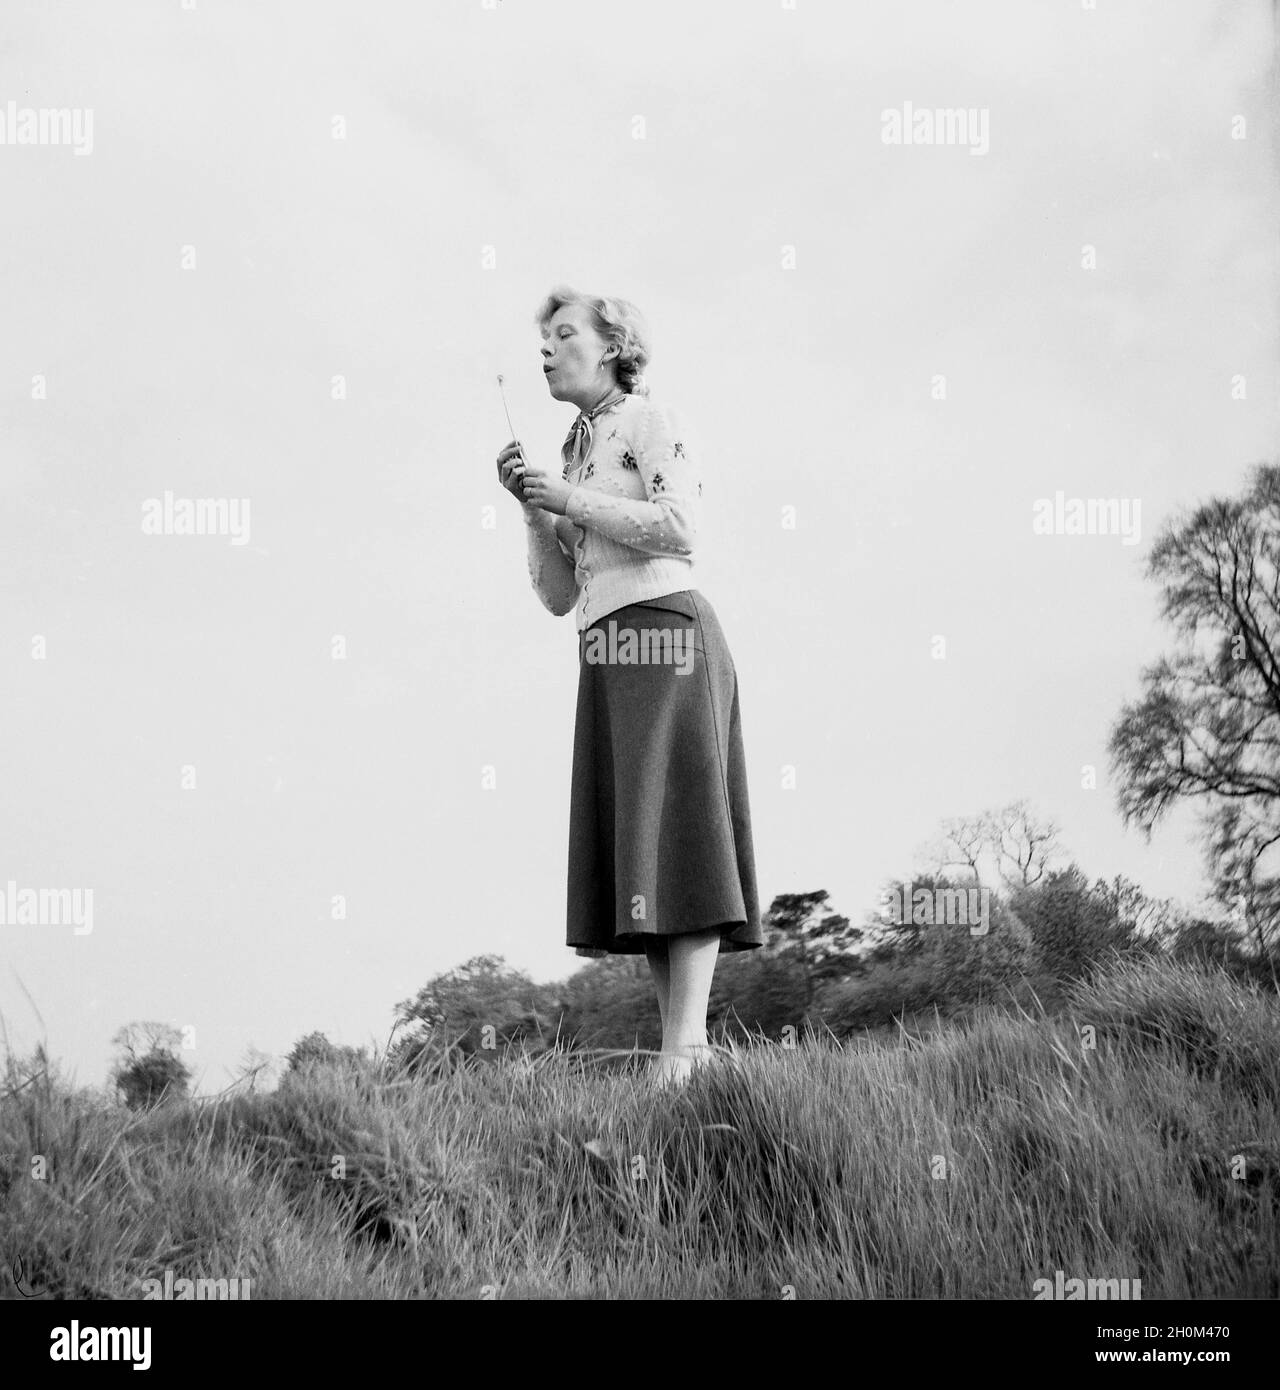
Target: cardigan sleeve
[666,522]
[551,572]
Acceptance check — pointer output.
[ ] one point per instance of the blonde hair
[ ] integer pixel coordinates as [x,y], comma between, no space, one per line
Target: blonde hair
[619,322]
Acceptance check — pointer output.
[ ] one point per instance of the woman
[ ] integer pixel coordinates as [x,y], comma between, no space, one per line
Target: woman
[660,853]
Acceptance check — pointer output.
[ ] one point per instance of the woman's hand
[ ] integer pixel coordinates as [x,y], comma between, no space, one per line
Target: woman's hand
[511,468]
[542,490]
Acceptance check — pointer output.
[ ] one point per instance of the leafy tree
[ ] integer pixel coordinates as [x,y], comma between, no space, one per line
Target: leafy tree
[916,963]
[758,992]
[315,1050]
[798,927]
[1207,729]
[149,1070]
[480,1002]
[1134,911]
[1199,941]
[1073,926]
[892,936]
[610,1004]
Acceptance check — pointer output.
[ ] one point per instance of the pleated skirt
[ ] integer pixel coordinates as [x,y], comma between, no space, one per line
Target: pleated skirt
[660,823]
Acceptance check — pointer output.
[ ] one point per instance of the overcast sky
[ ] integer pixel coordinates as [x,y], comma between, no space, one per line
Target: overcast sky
[180,298]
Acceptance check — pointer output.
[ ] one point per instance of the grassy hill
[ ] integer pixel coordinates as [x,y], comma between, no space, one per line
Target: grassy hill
[1134,1135]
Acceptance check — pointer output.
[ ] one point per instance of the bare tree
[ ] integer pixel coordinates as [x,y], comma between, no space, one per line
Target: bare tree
[1013,838]
[1022,842]
[138,1040]
[961,844]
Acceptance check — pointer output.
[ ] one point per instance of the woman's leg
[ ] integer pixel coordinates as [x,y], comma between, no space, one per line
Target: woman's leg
[691,963]
[655,948]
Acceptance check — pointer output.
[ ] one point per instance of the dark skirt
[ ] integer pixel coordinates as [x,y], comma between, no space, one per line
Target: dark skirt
[659,824]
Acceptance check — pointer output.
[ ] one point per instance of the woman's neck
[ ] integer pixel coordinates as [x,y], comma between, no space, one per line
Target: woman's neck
[613,389]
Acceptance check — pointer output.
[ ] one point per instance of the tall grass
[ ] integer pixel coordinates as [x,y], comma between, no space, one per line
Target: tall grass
[964,1164]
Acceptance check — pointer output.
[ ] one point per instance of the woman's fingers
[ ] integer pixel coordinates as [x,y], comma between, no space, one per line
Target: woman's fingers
[511,474]
[508,460]
[511,466]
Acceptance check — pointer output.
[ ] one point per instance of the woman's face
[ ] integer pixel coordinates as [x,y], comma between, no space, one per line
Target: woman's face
[571,353]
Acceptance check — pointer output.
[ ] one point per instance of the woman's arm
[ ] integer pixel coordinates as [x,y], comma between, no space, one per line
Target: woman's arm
[551,573]
[665,524]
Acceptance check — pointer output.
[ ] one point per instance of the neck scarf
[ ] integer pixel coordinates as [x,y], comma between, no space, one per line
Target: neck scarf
[577,443]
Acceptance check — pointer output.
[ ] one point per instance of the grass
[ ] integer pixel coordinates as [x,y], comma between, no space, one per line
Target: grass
[962,1164]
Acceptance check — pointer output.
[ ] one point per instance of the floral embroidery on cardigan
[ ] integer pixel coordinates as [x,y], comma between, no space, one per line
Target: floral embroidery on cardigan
[613,515]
